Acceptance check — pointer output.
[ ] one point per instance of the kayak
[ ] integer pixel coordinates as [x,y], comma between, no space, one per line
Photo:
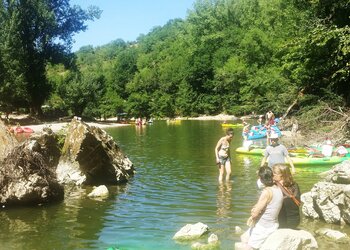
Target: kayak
[293,152]
[258,132]
[174,122]
[232,125]
[253,151]
[27,130]
[310,161]
[19,130]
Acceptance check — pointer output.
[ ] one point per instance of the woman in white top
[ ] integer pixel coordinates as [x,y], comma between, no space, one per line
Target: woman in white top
[264,215]
[222,155]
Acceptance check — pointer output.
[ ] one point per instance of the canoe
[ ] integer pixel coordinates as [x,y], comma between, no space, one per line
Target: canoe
[258,132]
[294,152]
[173,122]
[27,130]
[232,125]
[253,151]
[310,161]
[19,130]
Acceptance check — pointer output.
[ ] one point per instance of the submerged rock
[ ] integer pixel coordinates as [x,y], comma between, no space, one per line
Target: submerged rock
[100,192]
[191,231]
[333,235]
[90,156]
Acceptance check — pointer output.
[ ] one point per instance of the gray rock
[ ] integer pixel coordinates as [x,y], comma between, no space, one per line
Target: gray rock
[308,207]
[91,156]
[100,191]
[213,243]
[333,235]
[191,231]
[26,178]
[327,201]
[213,239]
[340,173]
[289,239]
[238,230]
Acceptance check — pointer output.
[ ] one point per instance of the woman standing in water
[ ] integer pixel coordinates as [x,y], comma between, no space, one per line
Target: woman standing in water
[289,216]
[222,155]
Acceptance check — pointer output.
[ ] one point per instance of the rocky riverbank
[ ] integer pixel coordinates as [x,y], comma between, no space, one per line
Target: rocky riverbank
[37,170]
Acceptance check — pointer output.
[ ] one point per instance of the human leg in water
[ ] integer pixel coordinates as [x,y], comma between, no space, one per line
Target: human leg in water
[228,169]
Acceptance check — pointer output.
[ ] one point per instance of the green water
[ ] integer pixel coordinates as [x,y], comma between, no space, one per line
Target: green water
[175,184]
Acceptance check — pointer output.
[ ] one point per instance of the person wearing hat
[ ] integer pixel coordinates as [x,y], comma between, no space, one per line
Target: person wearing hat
[276,153]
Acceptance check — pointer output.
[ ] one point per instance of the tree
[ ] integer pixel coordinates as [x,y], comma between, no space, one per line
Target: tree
[35,32]
[319,61]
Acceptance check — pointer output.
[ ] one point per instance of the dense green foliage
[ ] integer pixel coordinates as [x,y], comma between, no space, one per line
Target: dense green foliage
[32,34]
[232,56]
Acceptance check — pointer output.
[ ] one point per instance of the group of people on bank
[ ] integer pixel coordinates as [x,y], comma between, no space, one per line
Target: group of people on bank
[278,204]
[266,127]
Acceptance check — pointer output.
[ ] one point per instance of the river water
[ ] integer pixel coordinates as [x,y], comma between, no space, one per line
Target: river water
[175,184]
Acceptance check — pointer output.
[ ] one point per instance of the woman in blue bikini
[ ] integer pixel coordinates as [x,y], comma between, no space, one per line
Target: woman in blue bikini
[222,155]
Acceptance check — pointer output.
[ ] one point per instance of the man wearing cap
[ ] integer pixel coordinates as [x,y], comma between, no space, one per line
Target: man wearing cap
[276,153]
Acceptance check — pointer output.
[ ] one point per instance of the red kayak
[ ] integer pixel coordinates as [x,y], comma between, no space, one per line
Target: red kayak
[19,130]
[27,130]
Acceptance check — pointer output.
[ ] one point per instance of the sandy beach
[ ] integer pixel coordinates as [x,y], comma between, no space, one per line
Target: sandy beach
[57,126]
[112,122]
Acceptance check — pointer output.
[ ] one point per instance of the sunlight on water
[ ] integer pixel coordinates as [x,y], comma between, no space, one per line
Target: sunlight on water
[175,184]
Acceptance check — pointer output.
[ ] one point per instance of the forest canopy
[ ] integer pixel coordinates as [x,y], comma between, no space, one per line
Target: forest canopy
[226,56]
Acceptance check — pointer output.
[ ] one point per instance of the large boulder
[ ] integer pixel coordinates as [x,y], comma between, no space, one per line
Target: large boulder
[329,200]
[7,141]
[49,147]
[90,156]
[289,239]
[26,178]
[340,173]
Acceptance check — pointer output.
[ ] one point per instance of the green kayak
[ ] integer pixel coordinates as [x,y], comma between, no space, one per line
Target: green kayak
[299,159]
[253,151]
[307,161]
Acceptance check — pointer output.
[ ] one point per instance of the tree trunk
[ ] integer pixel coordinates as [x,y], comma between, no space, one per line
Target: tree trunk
[301,93]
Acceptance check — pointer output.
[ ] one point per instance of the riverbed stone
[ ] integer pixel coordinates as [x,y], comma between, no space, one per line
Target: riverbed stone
[333,235]
[290,239]
[91,156]
[100,192]
[213,243]
[191,231]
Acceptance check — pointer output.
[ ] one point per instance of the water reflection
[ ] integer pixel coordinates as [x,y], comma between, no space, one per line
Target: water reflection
[175,184]
[224,201]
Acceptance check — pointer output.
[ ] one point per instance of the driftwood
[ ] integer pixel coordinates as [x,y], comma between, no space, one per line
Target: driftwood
[300,94]
[329,122]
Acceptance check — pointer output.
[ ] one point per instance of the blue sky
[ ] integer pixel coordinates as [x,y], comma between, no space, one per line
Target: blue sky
[127,19]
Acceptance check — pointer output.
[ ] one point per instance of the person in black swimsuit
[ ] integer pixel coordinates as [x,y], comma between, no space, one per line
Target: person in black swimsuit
[222,155]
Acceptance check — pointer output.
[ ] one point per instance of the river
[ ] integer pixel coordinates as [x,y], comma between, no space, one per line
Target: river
[175,184]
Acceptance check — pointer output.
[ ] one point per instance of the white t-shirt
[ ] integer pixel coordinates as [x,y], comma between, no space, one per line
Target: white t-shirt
[327,150]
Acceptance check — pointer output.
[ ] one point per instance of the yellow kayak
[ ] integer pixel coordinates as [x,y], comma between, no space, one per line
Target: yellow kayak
[232,125]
